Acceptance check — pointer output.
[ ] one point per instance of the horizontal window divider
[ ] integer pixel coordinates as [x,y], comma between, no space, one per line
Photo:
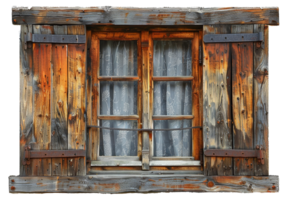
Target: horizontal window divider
[172,78]
[174,158]
[116,163]
[118,158]
[118,78]
[141,173]
[143,129]
[118,117]
[175,163]
[172,117]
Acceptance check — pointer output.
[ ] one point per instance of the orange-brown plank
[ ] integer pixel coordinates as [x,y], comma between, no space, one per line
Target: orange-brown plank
[172,35]
[261,106]
[26,96]
[197,142]
[76,101]
[242,100]
[217,129]
[118,36]
[41,106]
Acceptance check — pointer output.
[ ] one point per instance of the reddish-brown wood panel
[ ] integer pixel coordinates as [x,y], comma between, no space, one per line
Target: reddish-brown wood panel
[76,101]
[242,100]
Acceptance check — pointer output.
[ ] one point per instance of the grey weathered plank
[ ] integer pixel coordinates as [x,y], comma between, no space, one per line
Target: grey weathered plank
[145,16]
[26,96]
[242,99]
[143,183]
[261,94]
[217,122]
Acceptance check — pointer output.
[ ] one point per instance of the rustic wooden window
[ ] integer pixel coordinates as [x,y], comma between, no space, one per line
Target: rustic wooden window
[117,77]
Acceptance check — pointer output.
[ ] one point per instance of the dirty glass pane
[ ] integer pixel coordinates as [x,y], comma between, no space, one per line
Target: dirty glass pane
[172,98]
[118,58]
[172,58]
[172,143]
[118,97]
[118,143]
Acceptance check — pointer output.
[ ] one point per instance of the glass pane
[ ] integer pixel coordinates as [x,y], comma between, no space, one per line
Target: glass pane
[118,97]
[172,58]
[118,143]
[172,143]
[118,58]
[172,98]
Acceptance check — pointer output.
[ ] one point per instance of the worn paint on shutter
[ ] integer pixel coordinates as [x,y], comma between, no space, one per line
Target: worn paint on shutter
[217,129]
[242,99]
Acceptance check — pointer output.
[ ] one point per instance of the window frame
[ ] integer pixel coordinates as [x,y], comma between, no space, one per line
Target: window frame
[135,163]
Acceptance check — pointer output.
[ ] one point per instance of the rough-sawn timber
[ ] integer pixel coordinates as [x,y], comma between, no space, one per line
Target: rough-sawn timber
[142,183]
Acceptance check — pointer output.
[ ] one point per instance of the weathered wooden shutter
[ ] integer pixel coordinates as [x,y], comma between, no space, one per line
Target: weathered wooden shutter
[52,106]
[235,105]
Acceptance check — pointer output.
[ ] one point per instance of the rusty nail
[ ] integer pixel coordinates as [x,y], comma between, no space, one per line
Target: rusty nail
[12,181]
[273,187]
[13,188]
[210,184]
[14,20]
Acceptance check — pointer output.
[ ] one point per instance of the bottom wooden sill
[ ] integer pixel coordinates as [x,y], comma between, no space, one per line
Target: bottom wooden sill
[142,183]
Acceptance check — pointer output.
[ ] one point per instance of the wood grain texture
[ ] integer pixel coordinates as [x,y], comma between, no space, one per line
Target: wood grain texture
[143,183]
[26,98]
[146,90]
[59,93]
[242,100]
[76,101]
[217,126]
[145,16]
[261,103]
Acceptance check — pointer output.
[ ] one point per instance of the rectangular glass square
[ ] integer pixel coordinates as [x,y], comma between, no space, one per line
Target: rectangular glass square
[118,58]
[172,98]
[118,142]
[172,58]
[118,97]
[177,143]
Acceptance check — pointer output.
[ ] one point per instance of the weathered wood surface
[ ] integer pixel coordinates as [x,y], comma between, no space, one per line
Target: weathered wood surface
[76,101]
[26,95]
[242,99]
[145,16]
[217,124]
[59,80]
[42,54]
[261,94]
[146,91]
[143,183]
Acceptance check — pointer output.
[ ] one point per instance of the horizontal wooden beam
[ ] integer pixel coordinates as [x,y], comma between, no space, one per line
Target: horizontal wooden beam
[117,183]
[145,16]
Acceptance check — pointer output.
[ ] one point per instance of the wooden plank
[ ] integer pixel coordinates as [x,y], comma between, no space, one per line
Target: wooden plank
[172,35]
[172,117]
[117,78]
[175,163]
[261,103]
[59,129]
[76,101]
[26,96]
[217,127]
[242,99]
[175,78]
[143,183]
[116,163]
[118,117]
[146,120]
[145,16]
[41,101]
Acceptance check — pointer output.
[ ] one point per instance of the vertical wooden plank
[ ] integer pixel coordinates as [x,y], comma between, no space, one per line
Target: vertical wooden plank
[76,101]
[59,92]
[145,91]
[261,99]
[41,100]
[139,97]
[95,91]
[242,99]
[90,137]
[26,97]
[217,131]
[197,143]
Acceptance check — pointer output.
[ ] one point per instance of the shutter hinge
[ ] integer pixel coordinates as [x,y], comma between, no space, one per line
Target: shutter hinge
[237,153]
[242,37]
[200,55]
